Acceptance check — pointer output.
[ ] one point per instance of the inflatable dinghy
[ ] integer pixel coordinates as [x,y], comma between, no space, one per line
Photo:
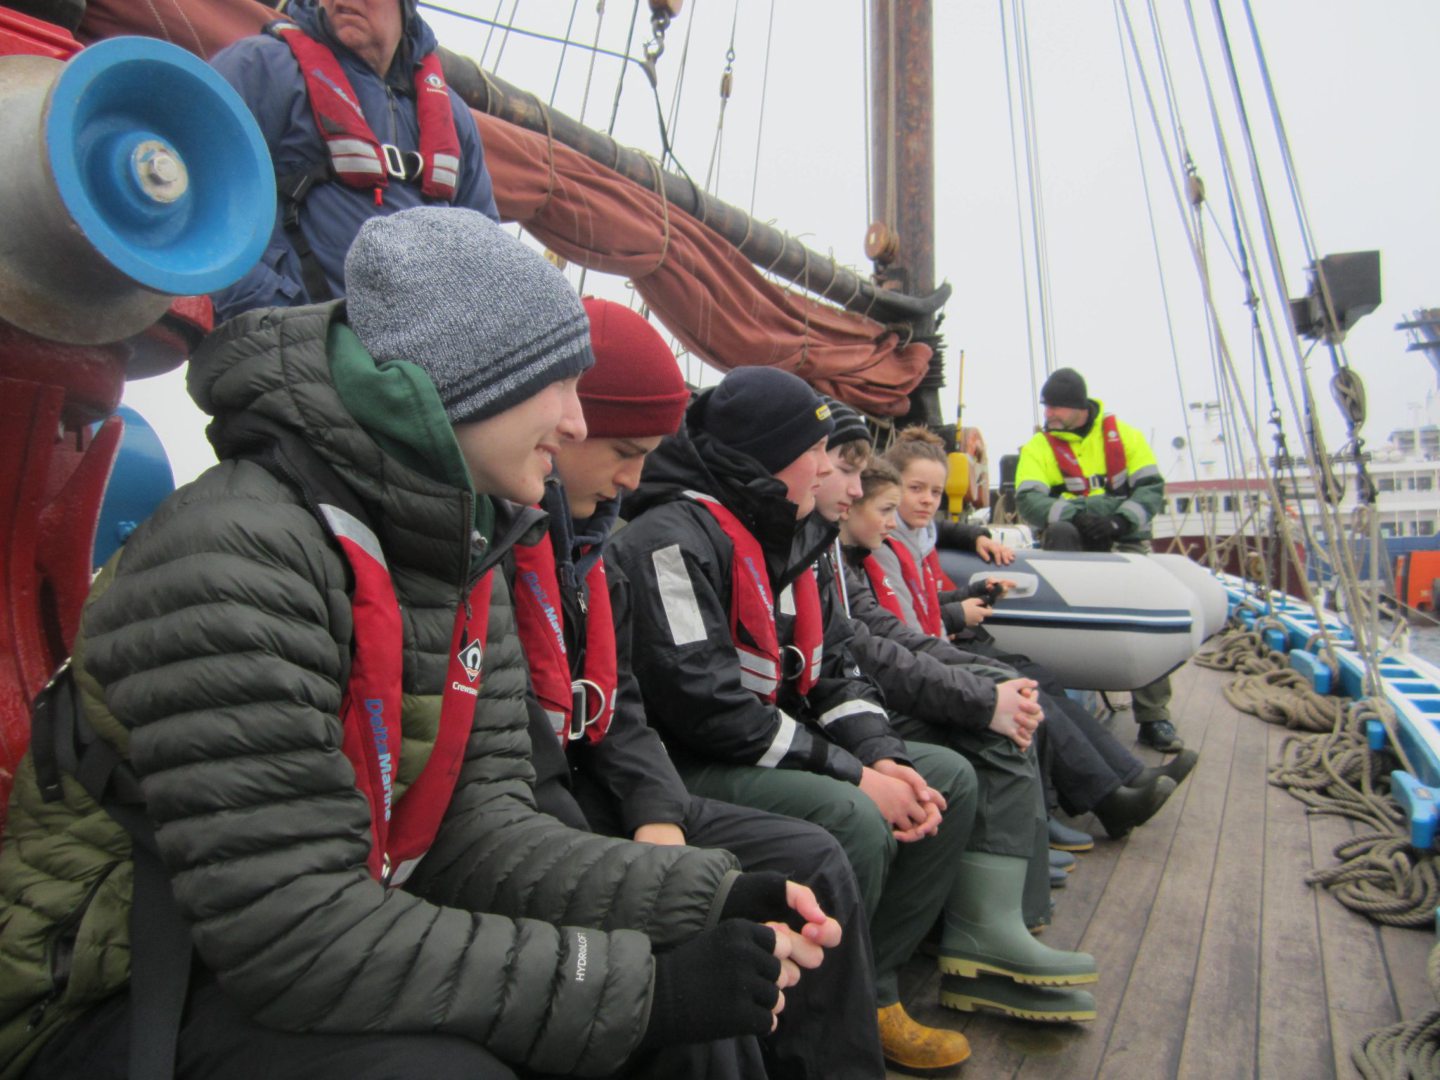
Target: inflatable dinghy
[1100,621]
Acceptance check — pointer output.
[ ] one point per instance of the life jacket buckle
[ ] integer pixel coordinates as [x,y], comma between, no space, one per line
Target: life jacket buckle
[792,662]
[582,692]
[402,164]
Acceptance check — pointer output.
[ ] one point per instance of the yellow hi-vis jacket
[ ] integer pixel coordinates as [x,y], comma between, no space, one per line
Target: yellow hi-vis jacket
[1137,494]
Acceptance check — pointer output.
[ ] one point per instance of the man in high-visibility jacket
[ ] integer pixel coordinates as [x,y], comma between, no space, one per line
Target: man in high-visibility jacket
[1089,482]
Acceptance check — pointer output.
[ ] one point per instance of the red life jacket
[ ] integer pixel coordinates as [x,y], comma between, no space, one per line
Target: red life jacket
[924,590]
[932,568]
[752,614]
[540,617]
[401,830]
[1117,474]
[357,157]
[884,592]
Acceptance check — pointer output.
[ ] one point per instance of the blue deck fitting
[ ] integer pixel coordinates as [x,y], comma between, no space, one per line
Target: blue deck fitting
[1275,639]
[1314,669]
[1375,735]
[1419,803]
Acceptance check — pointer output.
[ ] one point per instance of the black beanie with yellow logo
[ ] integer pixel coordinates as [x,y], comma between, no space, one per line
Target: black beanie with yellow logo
[767,413]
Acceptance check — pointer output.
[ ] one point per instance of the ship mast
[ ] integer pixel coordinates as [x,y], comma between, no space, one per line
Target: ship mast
[901,241]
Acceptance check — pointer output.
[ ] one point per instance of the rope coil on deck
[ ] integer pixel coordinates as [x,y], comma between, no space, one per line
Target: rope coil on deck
[1409,1050]
[1331,768]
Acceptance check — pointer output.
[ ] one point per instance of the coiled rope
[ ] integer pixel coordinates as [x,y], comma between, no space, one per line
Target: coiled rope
[1409,1050]
[1329,766]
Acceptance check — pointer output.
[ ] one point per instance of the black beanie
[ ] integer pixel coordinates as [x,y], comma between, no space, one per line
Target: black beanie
[849,425]
[767,413]
[1065,389]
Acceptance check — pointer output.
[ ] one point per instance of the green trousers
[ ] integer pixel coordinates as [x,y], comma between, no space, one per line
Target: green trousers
[904,886]
[1149,702]
[1010,808]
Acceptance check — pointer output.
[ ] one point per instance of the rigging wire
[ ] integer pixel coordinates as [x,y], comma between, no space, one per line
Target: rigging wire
[594,55]
[717,147]
[560,64]
[1318,458]
[869,119]
[505,37]
[1020,225]
[494,22]
[674,118]
[764,97]
[1032,159]
[1160,272]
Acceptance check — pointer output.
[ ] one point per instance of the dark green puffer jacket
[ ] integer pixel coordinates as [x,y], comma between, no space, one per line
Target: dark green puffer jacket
[214,653]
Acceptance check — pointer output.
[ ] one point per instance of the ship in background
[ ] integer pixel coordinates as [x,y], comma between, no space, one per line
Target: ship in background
[1217,512]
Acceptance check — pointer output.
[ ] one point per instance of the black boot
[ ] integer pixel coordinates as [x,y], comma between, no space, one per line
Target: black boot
[1126,807]
[1177,768]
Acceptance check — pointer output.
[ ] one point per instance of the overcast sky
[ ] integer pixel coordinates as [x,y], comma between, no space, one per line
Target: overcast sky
[1357,84]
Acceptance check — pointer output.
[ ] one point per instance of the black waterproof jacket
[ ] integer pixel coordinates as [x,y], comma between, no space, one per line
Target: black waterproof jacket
[922,675]
[679,563]
[630,764]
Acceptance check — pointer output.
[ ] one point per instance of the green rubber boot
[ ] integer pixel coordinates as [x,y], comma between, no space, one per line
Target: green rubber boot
[994,993]
[984,930]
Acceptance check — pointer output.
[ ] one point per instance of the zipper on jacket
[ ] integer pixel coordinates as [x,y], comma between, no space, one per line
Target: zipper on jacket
[60,950]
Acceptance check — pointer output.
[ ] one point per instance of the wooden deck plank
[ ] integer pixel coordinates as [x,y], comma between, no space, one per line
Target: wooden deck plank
[1122,912]
[1239,971]
[1222,1027]
[1408,982]
[1149,1029]
[1357,985]
[1294,1011]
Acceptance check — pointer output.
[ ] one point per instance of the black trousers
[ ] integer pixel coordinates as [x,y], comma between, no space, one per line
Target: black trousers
[828,1028]
[219,1042]
[1080,761]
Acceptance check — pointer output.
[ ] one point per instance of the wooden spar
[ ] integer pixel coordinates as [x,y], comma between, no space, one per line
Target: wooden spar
[762,244]
[902,141]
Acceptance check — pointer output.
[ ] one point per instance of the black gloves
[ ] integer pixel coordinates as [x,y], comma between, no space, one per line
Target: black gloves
[759,897]
[1100,532]
[715,986]
[1095,530]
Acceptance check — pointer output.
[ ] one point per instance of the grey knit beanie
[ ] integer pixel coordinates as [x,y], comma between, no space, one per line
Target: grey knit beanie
[490,321]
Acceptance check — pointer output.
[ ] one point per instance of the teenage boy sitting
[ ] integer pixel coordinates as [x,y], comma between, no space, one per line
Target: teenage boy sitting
[311,680]
[600,766]
[756,705]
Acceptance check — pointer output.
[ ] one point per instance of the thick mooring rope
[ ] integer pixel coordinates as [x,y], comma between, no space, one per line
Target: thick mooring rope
[1409,1050]
[1332,770]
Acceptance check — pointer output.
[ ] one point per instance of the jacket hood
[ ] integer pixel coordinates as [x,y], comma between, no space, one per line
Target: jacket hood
[694,460]
[417,40]
[273,365]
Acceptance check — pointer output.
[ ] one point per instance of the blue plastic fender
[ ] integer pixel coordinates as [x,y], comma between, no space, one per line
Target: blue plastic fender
[139,482]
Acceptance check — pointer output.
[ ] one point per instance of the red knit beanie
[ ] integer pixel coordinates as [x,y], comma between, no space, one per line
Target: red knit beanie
[635,389]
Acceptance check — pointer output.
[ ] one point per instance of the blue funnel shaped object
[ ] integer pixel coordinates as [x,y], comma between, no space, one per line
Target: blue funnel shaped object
[131,174]
[139,482]
[161,165]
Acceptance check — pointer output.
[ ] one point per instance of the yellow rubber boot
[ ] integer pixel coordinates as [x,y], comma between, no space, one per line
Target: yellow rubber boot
[916,1049]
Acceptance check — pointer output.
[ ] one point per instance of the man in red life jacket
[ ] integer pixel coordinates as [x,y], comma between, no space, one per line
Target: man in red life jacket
[359,121]
[752,686]
[1089,482]
[308,678]
[599,765]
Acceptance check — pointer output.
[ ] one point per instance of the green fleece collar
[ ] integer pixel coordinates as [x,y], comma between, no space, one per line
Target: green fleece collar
[397,404]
